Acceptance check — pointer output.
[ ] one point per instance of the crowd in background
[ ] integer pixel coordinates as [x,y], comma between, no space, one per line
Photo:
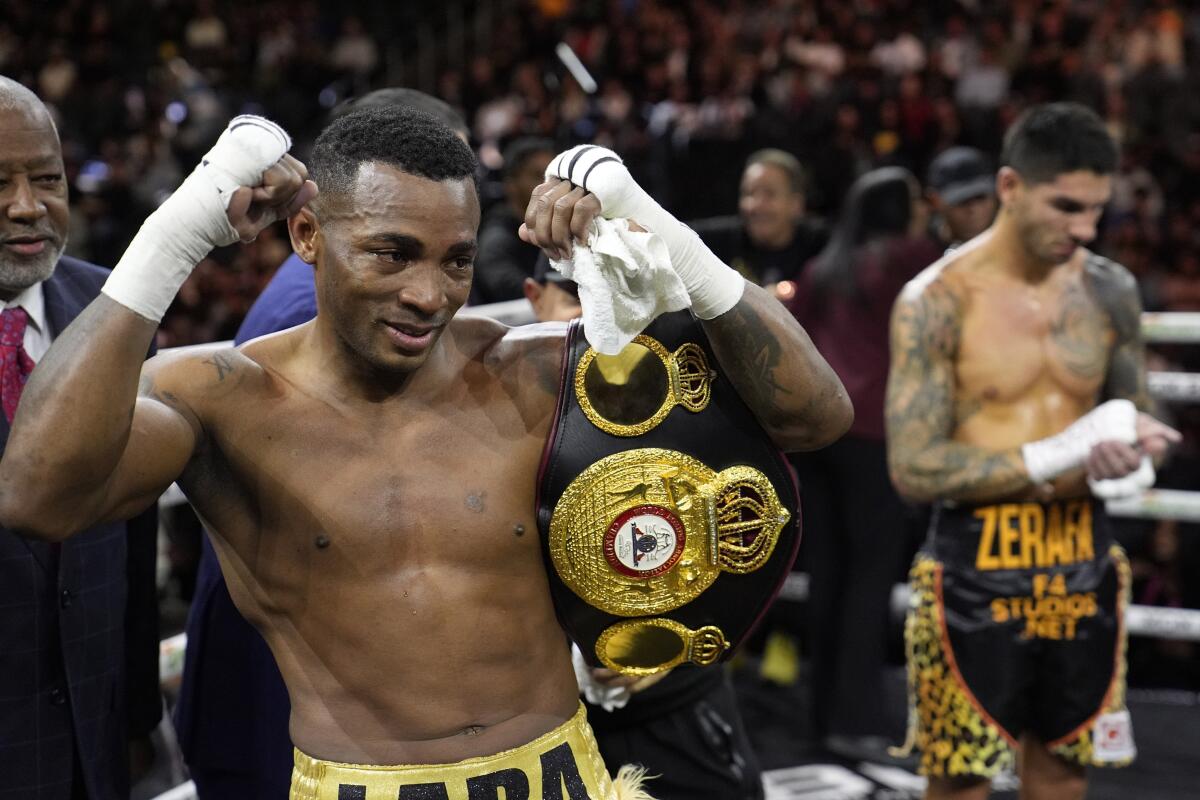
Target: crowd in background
[685,92]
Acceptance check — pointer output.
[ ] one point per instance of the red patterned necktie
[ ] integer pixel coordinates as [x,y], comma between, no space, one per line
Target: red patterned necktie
[15,363]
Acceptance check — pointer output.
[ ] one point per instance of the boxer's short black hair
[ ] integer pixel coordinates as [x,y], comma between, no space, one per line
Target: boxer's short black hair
[405,138]
[1056,138]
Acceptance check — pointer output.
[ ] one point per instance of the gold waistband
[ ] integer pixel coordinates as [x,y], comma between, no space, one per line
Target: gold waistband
[567,755]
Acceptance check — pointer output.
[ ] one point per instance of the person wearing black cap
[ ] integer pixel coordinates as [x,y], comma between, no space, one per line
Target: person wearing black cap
[961,188]
[553,296]
[504,261]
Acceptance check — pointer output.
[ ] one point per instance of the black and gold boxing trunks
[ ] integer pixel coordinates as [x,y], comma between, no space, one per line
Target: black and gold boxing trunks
[563,764]
[1015,626]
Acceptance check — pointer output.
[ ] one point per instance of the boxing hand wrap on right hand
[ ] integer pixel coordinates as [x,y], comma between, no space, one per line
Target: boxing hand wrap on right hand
[1050,457]
[192,221]
[712,287]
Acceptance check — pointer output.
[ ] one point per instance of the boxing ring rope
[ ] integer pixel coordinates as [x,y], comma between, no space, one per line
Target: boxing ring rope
[1171,327]
[1174,387]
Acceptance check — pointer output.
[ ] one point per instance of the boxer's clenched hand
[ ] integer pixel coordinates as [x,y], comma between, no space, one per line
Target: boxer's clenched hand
[1115,459]
[284,190]
[608,189]
[559,214]
[1117,469]
[1112,459]
[244,183]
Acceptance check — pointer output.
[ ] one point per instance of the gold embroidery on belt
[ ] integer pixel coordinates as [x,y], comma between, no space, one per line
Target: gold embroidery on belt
[646,531]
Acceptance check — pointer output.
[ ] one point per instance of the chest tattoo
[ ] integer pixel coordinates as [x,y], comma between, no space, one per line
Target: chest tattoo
[1079,332]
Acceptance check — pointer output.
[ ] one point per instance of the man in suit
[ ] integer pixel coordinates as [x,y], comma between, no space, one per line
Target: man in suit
[232,700]
[78,621]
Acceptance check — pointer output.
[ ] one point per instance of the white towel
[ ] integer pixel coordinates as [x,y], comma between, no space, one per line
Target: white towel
[625,281]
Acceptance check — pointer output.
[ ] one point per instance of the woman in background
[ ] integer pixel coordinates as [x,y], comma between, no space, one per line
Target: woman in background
[855,543]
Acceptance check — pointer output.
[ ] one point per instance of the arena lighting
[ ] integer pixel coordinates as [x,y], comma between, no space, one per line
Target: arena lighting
[574,66]
[176,112]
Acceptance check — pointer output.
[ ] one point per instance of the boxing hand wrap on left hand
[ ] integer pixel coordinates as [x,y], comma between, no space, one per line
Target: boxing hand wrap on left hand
[192,221]
[1050,457]
[712,287]
[1129,485]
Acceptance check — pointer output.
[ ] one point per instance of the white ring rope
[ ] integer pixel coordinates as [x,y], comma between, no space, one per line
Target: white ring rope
[1174,327]
[1158,504]
[1176,387]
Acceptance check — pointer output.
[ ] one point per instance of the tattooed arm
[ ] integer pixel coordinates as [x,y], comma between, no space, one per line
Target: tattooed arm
[925,462]
[84,445]
[1117,291]
[776,369]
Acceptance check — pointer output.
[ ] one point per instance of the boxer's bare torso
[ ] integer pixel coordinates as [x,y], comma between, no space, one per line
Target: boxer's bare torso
[387,547]
[986,357]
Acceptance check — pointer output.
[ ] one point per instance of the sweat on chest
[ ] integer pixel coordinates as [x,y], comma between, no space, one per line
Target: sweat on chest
[1009,344]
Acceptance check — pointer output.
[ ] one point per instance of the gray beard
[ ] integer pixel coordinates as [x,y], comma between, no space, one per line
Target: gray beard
[18,274]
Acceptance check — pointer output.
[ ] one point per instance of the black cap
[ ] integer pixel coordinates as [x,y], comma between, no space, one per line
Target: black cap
[961,174]
[543,273]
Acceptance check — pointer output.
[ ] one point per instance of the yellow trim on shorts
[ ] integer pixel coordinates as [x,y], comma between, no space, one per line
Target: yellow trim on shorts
[317,779]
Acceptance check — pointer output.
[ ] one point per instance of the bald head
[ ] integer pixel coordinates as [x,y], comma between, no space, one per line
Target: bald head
[16,98]
[33,196]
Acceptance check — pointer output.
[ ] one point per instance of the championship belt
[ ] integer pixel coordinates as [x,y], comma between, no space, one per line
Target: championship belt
[668,519]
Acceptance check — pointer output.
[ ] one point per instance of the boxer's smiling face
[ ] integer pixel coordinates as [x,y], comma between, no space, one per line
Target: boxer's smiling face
[394,258]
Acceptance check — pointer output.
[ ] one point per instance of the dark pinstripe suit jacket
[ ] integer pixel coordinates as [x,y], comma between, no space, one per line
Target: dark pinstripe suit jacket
[78,632]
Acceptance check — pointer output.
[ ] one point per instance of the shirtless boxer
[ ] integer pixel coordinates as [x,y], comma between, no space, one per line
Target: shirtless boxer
[368,477]
[1017,371]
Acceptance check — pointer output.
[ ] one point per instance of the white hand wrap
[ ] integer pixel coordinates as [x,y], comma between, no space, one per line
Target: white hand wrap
[192,221]
[1129,485]
[1050,457]
[610,698]
[713,287]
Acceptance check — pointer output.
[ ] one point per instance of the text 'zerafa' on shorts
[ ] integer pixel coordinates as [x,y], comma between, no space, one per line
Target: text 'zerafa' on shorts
[1034,536]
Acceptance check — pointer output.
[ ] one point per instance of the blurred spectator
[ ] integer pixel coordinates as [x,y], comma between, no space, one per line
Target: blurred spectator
[772,237]
[504,262]
[854,542]
[79,687]
[961,190]
[554,298]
